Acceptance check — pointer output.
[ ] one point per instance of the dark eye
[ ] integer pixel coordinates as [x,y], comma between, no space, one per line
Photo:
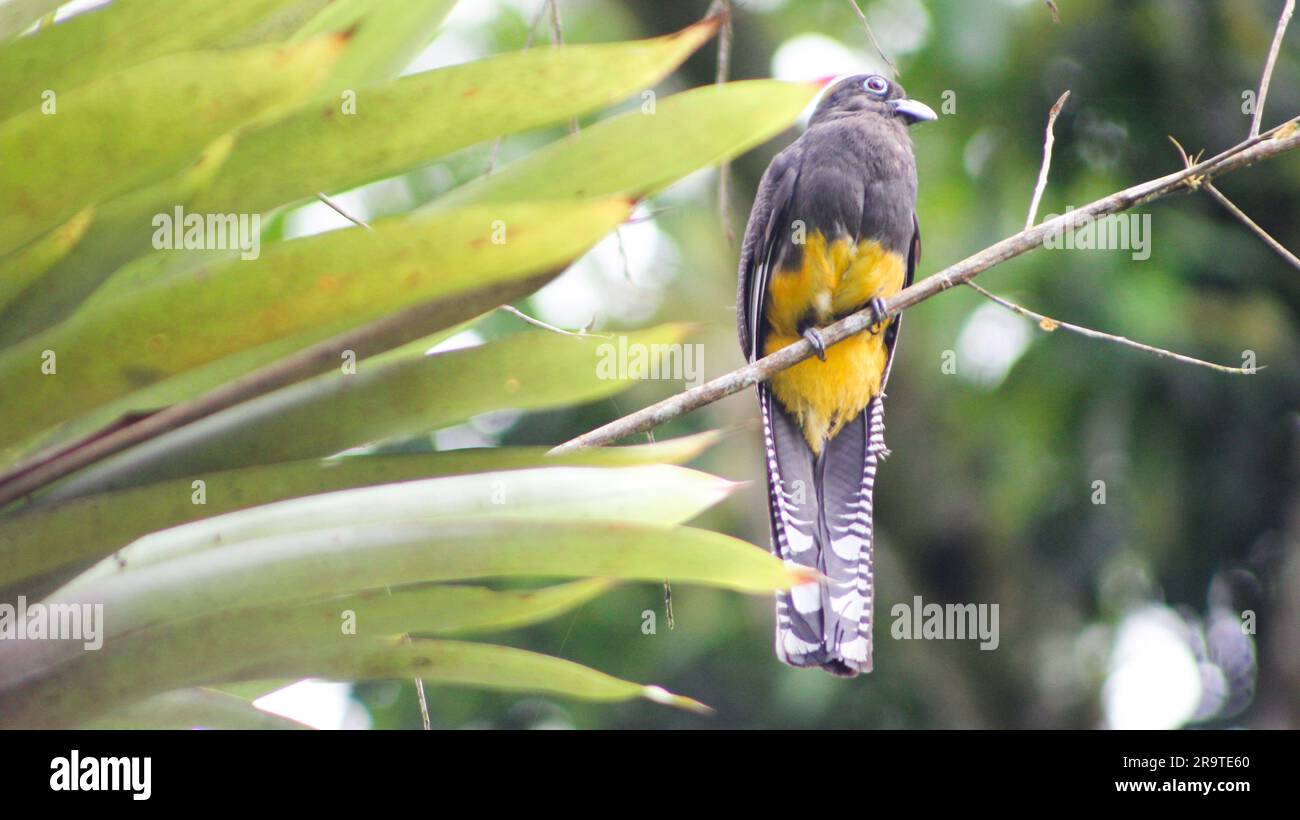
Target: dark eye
[876,84]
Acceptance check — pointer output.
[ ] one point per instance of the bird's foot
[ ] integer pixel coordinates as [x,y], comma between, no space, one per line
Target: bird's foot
[814,337]
[877,306]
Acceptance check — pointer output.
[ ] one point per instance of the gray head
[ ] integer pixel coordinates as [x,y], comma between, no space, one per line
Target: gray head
[874,94]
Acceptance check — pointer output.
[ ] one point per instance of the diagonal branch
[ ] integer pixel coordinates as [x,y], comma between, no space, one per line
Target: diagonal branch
[1049,324]
[874,42]
[1266,145]
[1231,208]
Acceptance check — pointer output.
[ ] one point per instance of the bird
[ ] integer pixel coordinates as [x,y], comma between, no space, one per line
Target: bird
[833,230]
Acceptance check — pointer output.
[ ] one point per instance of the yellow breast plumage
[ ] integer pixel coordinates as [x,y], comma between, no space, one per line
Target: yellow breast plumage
[833,279]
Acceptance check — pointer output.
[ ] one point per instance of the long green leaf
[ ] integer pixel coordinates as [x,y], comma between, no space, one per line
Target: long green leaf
[19,269]
[96,683]
[387,36]
[329,414]
[120,229]
[110,39]
[193,708]
[86,529]
[639,153]
[400,125]
[172,326]
[651,494]
[316,563]
[131,128]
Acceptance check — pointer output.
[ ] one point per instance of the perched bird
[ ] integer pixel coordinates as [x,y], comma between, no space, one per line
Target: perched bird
[833,229]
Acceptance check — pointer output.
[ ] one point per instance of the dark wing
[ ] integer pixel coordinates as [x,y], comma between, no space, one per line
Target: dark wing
[771,212]
[891,334]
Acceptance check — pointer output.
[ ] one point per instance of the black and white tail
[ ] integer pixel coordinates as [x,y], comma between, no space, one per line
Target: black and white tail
[820,510]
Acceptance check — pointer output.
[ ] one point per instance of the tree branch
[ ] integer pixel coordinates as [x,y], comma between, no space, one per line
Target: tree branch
[1048,140]
[874,42]
[1264,80]
[723,7]
[1275,141]
[1049,324]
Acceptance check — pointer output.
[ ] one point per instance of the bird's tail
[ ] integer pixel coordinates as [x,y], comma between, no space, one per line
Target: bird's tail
[820,510]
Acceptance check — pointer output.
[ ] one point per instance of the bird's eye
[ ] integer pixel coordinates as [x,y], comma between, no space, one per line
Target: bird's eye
[876,84]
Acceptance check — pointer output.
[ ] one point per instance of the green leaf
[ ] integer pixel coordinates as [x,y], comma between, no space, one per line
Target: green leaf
[21,268]
[110,39]
[638,153]
[413,120]
[128,129]
[481,666]
[16,16]
[120,229]
[96,682]
[651,494]
[85,529]
[316,563]
[193,708]
[387,36]
[329,414]
[172,326]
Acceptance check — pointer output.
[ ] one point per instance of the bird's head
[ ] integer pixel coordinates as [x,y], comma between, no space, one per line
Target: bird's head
[871,93]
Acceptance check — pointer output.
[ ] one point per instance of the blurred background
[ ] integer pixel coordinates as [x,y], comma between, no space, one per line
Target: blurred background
[1135,519]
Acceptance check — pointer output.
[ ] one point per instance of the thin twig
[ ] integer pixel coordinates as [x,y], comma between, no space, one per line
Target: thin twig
[1277,247]
[424,705]
[528,43]
[1252,150]
[580,333]
[557,40]
[342,211]
[1264,80]
[723,7]
[1056,13]
[1049,324]
[1231,208]
[874,42]
[1048,140]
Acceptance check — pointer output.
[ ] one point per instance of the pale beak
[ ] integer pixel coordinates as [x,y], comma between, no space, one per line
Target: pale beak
[912,111]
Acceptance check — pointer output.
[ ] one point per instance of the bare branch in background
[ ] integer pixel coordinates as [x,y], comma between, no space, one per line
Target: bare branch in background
[1049,324]
[1264,80]
[580,333]
[1266,145]
[528,43]
[557,40]
[723,7]
[1231,208]
[1047,159]
[874,42]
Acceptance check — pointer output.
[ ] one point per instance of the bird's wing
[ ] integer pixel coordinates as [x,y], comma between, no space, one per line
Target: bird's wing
[768,220]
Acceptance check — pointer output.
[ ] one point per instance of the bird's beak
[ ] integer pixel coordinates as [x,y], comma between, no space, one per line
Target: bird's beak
[912,111]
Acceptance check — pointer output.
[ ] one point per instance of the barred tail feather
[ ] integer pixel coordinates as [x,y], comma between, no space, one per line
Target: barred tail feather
[821,517]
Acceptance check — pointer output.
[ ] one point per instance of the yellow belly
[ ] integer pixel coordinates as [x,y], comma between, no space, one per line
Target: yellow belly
[834,279]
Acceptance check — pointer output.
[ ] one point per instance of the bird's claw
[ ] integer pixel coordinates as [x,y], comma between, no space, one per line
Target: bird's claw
[814,337]
[877,306]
